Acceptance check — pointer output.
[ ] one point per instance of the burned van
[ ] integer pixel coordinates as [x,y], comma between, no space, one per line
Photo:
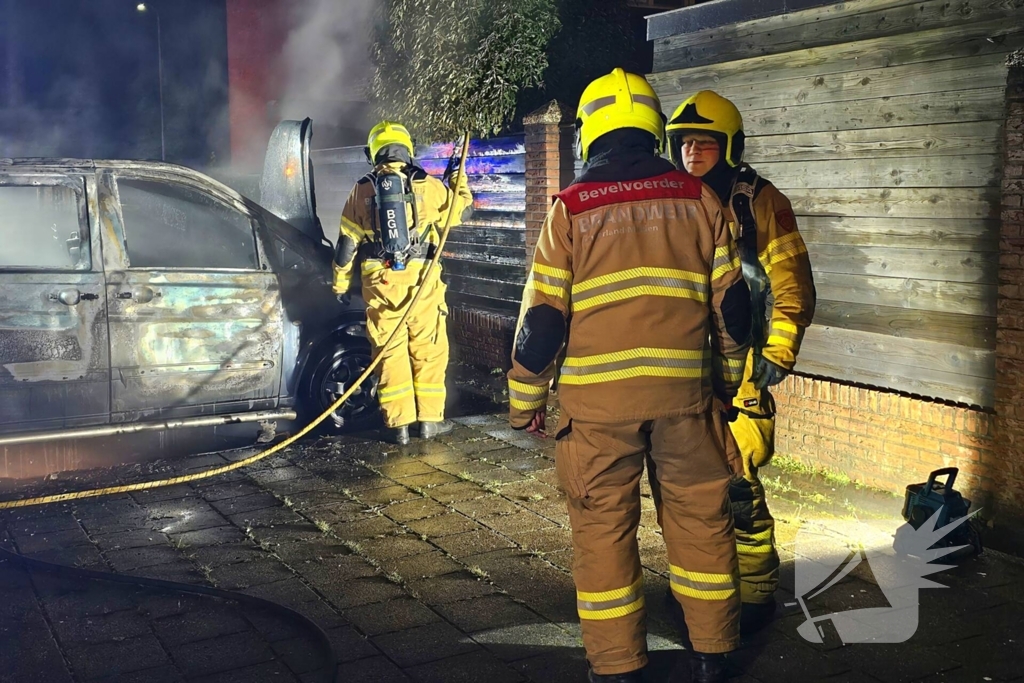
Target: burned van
[143,295]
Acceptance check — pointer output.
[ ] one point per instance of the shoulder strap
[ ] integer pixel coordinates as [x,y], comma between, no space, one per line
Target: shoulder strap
[741,200]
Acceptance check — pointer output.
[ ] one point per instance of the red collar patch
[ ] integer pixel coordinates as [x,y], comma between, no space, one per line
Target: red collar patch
[671,185]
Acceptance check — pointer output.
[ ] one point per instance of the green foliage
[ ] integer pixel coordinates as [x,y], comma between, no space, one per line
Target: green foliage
[445,67]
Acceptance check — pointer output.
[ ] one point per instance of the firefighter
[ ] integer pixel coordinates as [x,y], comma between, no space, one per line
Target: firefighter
[392,222]
[640,257]
[706,139]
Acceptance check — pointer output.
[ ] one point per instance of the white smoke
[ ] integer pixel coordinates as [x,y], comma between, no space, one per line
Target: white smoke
[326,60]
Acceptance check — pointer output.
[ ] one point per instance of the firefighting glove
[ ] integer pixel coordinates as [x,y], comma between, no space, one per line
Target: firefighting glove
[345,299]
[767,373]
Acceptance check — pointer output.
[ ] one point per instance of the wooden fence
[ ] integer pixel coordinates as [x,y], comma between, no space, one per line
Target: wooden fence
[882,121]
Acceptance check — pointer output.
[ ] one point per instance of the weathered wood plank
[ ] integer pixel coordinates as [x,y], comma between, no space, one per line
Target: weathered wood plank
[472,301]
[968,203]
[976,170]
[498,219]
[510,145]
[925,295]
[802,30]
[952,328]
[967,39]
[923,382]
[959,360]
[491,289]
[986,71]
[499,201]
[488,253]
[911,233]
[509,163]
[506,273]
[943,140]
[914,264]
[984,104]
[500,237]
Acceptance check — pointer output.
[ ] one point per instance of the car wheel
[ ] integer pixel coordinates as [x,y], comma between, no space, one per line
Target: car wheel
[338,365]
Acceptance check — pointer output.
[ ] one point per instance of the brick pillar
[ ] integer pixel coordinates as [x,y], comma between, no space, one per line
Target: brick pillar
[1010,310]
[549,165]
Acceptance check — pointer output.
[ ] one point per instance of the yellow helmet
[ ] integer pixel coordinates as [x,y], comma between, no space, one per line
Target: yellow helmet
[707,111]
[387,133]
[617,100]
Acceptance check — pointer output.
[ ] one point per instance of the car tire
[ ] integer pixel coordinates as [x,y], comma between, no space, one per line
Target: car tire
[336,364]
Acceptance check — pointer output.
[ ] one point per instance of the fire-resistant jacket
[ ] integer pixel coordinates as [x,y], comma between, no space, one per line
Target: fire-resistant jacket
[783,255]
[433,199]
[648,273]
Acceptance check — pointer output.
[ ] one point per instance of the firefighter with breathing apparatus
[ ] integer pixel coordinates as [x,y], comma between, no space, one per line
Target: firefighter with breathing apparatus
[392,222]
[639,255]
[706,139]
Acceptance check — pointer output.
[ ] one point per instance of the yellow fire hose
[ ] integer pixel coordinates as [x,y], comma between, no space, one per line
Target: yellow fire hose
[214,471]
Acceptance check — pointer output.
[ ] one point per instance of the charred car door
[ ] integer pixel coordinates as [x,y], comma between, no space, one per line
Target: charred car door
[195,313]
[54,363]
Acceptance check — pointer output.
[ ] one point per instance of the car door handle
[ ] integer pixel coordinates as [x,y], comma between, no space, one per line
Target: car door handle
[68,297]
[142,294]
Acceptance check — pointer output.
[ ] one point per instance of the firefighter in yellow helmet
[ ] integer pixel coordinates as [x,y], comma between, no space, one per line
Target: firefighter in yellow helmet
[639,257]
[706,138]
[392,222]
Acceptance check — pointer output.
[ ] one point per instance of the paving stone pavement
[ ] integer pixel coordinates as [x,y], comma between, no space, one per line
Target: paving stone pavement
[444,561]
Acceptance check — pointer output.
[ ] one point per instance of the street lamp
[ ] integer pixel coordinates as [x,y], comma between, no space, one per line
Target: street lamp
[143,8]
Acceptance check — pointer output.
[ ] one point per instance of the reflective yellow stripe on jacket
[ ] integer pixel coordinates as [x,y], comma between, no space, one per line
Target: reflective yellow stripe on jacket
[551,281]
[611,604]
[642,362]
[780,249]
[634,282]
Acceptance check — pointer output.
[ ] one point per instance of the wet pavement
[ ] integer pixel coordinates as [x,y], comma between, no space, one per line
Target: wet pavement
[441,561]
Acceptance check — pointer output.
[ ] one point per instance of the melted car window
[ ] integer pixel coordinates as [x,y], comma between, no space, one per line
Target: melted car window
[40,228]
[170,226]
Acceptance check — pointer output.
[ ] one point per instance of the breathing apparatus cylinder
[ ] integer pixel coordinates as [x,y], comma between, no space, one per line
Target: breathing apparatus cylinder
[396,216]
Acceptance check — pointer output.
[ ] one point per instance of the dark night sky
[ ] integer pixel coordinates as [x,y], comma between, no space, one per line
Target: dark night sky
[80,79]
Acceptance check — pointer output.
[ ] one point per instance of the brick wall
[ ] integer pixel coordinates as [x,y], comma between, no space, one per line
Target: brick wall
[549,165]
[481,338]
[884,439]
[888,440]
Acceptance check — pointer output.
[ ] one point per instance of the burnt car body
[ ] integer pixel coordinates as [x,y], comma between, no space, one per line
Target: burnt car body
[143,295]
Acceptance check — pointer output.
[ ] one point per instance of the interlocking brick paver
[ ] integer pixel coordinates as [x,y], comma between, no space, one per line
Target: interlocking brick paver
[418,508]
[204,623]
[221,654]
[467,668]
[210,536]
[479,590]
[424,644]
[372,670]
[450,587]
[443,525]
[472,543]
[114,658]
[394,615]
[487,612]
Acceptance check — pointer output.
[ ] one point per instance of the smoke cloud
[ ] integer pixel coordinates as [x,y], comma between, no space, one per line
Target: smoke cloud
[326,67]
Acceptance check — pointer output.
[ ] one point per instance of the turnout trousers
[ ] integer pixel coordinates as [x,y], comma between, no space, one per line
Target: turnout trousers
[754,435]
[599,467]
[412,372]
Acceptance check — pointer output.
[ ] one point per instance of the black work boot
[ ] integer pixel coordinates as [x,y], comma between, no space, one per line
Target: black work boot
[628,677]
[707,668]
[396,435]
[428,430]
[754,616]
